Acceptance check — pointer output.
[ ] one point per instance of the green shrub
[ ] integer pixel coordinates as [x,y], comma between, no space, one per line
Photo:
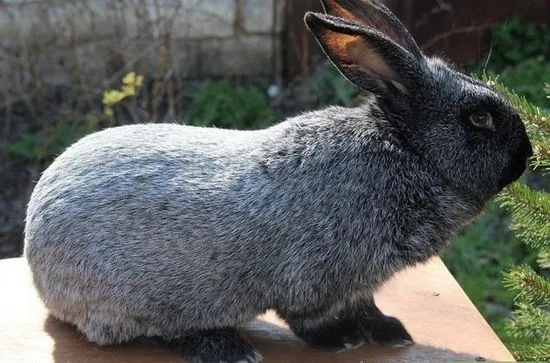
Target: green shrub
[519,57]
[530,209]
[525,79]
[45,144]
[221,105]
[214,104]
[333,88]
[517,40]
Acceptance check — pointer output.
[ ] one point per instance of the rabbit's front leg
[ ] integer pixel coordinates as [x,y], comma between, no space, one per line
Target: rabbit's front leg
[348,326]
[378,328]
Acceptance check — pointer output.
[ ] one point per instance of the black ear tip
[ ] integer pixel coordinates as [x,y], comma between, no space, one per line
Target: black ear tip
[312,19]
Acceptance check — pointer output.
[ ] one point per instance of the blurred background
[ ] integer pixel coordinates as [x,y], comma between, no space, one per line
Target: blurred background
[70,67]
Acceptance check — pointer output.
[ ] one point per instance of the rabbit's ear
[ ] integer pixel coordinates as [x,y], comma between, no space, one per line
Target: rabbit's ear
[373,14]
[364,56]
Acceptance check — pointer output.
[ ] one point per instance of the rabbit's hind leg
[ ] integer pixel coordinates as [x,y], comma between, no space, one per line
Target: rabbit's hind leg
[329,330]
[105,328]
[348,326]
[213,345]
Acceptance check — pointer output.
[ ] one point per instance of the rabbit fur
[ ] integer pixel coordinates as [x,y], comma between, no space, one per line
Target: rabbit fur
[185,233]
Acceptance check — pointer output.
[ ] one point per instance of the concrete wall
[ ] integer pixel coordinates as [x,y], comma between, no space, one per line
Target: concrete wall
[57,41]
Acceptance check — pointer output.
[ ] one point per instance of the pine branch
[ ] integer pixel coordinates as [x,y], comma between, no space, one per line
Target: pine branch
[530,210]
[538,352]
[531,213]
[530,287]
[537,123]
[530,235]
[530,323]
[537,201]
[543,258]
[530,114]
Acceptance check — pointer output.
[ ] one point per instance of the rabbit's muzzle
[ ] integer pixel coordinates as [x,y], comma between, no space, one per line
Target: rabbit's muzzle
[517,164]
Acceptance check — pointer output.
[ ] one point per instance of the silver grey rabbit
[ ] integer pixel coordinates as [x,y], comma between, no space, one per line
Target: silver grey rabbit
[182,234]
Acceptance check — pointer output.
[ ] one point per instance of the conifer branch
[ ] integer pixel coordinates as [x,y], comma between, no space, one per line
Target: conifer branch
[531,213]
[544,258]
[530,209]
[530,287]
[527,352]
[537,123]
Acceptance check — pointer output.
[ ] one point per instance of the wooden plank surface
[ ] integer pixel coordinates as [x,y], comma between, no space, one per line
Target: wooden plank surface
[433,307]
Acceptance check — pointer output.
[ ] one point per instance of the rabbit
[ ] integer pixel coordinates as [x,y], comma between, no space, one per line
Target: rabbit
[183,234]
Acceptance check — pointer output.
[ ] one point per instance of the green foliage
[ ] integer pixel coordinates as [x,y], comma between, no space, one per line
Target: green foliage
[519,56]
[214,104]
[43,145]
[531,210]
[525,79]
[537,122]
[477,258]
[49,140]
[544,258]
[528,286]
[333,88]
[530,325]
[533,349]
[517,40]
[221,105]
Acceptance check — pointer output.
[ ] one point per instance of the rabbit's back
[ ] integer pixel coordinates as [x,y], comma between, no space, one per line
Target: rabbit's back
[128,175]
[124,220]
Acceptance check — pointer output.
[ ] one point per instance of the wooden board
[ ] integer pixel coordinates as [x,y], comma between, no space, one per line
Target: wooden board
[433,307]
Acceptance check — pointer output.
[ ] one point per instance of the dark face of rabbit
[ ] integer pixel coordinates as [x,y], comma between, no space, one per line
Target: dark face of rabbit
[469,134]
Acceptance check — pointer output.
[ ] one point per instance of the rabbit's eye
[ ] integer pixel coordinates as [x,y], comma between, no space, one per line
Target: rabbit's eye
[482,120]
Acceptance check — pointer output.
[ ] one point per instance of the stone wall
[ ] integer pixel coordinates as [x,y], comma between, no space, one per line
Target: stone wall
[63,41]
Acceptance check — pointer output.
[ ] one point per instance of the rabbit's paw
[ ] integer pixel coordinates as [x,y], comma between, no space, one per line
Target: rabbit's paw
[386,330]
[336,336]
[216,346]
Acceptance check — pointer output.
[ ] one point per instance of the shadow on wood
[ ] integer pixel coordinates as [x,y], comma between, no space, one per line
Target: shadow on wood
[277,344]
[443,322]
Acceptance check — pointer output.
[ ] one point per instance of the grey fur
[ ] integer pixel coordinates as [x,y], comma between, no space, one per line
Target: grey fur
[163,229]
